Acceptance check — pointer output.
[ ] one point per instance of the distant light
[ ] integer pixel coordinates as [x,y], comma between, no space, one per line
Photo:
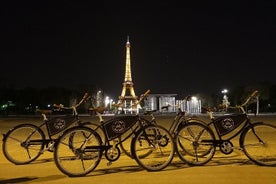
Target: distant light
[107,100]
[224,91]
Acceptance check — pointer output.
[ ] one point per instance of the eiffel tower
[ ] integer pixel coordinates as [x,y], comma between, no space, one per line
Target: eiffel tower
[128,100]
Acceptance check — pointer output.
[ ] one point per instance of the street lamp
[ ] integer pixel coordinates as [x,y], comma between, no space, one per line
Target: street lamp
[225,101]
[224,91]
[106,101]
[110,103]
[99,98]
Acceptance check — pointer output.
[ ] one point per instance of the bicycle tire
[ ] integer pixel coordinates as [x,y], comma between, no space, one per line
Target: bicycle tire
[125,142]
[259,143]
[157,144]
[96,127]
[195,143]
[23,144]
[93,126]
[78,151]
[126,138]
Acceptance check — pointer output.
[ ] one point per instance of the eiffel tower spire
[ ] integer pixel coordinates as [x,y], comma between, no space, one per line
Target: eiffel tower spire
[128,66]
[128,97]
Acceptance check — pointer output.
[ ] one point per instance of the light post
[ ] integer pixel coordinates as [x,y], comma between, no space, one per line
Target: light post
[225,101]
[106,102]
[110,103]
[99,98]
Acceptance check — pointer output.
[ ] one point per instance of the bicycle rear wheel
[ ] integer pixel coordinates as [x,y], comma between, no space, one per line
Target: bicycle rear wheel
[153,148]
[23,144]
[195,143]
[259,144]
[78,151]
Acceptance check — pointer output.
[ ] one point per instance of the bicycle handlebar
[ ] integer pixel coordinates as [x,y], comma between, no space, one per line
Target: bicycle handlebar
[143,96]
[84,98]
[253,95]
[186,99]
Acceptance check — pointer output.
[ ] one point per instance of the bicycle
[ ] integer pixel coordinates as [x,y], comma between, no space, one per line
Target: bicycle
[79,150]
[181,118]
[125,139]
[196,142]
[24,143]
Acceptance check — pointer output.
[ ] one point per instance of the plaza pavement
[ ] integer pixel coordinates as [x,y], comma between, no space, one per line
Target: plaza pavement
[222,169]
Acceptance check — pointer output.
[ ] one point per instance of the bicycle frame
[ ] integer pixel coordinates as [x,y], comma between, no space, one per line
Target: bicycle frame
[33,140]
[227,127]
[114,128]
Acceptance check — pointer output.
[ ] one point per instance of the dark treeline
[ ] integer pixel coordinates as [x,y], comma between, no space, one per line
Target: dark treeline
[238,94]
[27,100]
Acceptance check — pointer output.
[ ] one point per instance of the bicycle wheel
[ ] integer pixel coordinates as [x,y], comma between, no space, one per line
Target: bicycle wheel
[96,127]
[259,144]
[23,144]
[153,148]
[78,151]
[125,142]
[195,143]
[126,138]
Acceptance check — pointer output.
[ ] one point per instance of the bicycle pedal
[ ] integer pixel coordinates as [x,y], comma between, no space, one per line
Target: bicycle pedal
[109,163]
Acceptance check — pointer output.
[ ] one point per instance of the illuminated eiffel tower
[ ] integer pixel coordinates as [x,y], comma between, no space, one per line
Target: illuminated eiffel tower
[128,99]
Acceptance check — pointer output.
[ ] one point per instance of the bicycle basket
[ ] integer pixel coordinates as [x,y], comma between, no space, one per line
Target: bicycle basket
[117,126]
[228,123]
[58,124]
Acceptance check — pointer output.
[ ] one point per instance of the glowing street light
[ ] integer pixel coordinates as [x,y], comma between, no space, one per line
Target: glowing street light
[225,101]
[106,102]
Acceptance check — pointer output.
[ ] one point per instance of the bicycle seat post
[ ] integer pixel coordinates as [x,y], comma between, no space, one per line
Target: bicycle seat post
[75,113]
[44,117]
[100,116]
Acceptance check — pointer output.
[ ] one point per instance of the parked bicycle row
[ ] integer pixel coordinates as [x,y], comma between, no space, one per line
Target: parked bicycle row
[78,146]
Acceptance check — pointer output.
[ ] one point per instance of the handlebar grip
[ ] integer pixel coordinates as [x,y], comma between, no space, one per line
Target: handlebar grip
[147,92]
[255,94]
[144,95]
[85,96]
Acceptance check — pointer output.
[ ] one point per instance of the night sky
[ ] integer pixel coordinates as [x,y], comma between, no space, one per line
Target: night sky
[176,47]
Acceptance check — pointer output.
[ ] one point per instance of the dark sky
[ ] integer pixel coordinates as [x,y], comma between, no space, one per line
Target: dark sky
[176,47]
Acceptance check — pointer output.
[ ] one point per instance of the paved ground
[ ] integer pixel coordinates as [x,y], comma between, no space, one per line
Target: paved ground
[226,169]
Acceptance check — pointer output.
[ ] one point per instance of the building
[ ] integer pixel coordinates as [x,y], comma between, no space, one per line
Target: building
[167,103]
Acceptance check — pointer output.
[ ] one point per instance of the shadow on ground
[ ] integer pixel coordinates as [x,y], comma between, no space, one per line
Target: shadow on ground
[17,180]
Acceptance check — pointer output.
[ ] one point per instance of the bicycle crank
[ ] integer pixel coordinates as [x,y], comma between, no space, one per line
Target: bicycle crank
[112,154]
[226,147]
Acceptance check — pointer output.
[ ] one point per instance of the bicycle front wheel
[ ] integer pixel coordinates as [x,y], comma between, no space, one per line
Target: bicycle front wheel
[97,128]
[23,144]
[126,138]
[195,143]
[259,144]
[153,148]
[78,151]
